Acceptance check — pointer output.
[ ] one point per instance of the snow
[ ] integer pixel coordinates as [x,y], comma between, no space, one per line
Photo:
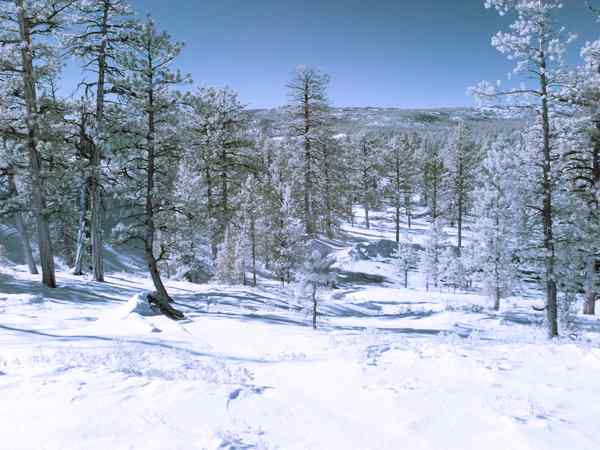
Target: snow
[85,367]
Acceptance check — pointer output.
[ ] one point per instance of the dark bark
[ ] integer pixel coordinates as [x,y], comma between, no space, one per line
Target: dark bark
[253,247]
[547,210]
[365,182]
[38,185]
[210,206]
[95,186]
[308,162]
[397,181]
[80,250]
[162,297]
[314,311]
[21,228]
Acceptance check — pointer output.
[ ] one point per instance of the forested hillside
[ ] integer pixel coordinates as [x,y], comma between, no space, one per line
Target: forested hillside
[159,235]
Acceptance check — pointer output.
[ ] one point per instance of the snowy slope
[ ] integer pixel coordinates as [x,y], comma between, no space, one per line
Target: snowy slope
[388,368]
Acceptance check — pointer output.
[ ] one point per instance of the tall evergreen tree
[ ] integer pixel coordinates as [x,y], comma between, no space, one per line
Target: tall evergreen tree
[537,45]
[308,111]
[150,113]
[28,60]
[101,30]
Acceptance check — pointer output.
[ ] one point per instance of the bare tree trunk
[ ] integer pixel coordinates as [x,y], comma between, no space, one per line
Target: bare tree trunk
[328,196]
[253,244]
[460,214]
[405,279]
[211,210]
[95,180]
[81,230]
[162,297]
[224,190]
[25,243]
[308,182]
[38,195]
[398,193]
[96,224]
[397,218]
[314,300]
[591,267]
[547,212]
[408,207]
[308,197]
[497,293]
[434,210]
[365,182]
[21,229]
[591,294]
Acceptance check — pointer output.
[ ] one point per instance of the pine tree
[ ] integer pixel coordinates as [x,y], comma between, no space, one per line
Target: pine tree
[583,169]
[369,162]
[28,33]
[434,174]
[101,30]
[150,112]
[402,164]
[217,129]
[309,110]
[407,258]
[317,271]
[495,241]
[453,271]
[436,241]
[13,201]
[536,44]
[461,155]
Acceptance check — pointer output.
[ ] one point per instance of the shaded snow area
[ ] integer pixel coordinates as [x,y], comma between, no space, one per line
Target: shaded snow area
[89,366]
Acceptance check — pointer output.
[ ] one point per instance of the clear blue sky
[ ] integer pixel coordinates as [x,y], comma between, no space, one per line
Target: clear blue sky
[404,53]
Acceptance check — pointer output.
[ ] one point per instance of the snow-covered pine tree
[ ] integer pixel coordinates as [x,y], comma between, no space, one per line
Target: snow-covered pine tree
[13,200]
[149,118]
[407,258]
[332,165]
[317,271]
[495,240]
[29,61]
[537,44]
[436,241]
[461,159]
[583,169]
[283,225]
[369,168]
[402,170]
[453,272]
[191,255]
[309,115]
[249,215]
[226,262]
[101,28]
[434,173]
[217,130]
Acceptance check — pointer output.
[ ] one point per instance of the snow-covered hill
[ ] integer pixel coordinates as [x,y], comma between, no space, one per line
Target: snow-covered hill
[388,368]
[352,119]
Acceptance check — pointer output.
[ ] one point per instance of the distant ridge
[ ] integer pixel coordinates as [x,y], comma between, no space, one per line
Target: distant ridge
[351,120]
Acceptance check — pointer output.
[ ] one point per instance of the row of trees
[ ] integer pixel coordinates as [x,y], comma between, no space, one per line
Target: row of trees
[536,190]
[203,189]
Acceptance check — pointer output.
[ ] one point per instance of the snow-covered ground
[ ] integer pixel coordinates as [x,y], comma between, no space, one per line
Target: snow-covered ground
[389,367]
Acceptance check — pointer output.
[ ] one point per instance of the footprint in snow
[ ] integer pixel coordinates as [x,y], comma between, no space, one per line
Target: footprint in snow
[374,352]
[245,391]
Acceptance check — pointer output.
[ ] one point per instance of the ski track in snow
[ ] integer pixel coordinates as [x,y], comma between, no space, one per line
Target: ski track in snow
[388,368]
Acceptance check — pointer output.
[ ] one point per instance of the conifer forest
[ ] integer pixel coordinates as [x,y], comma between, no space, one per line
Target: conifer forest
[181,268]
